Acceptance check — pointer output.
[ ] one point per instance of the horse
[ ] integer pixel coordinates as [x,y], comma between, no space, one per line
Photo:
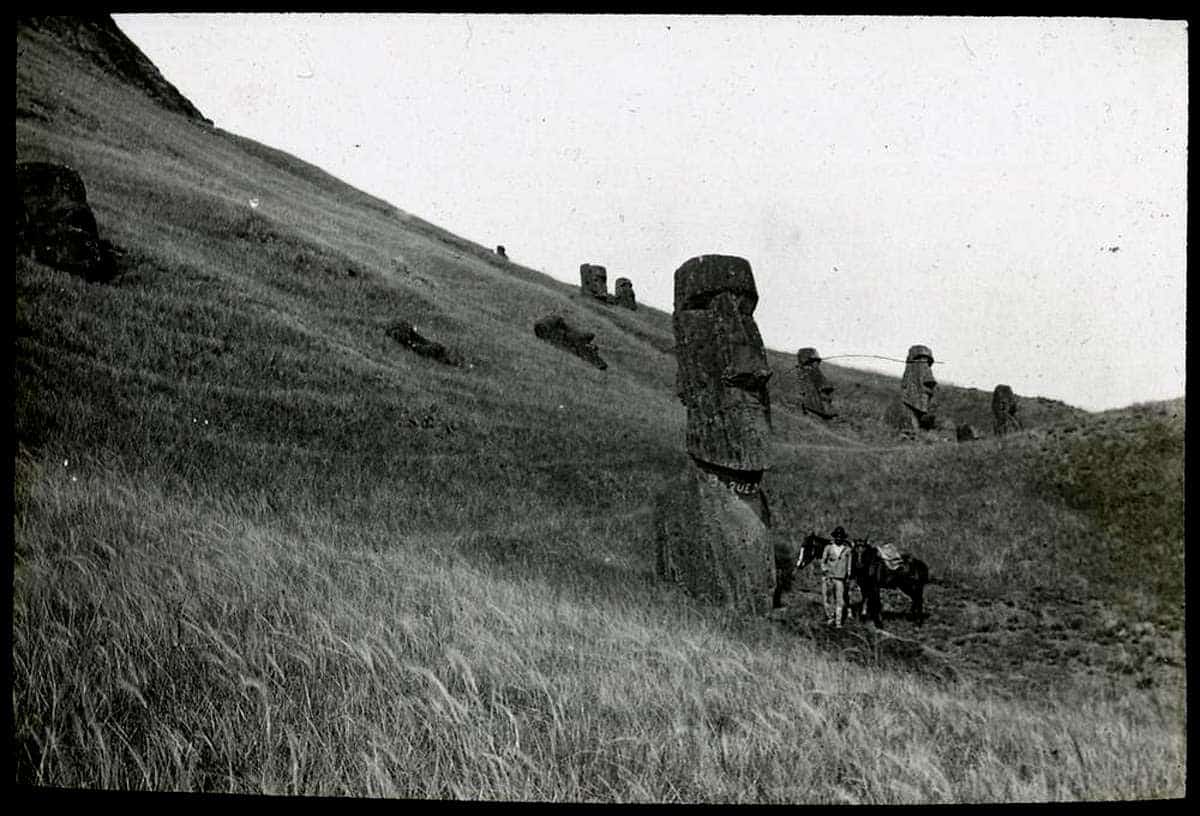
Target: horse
[872,574]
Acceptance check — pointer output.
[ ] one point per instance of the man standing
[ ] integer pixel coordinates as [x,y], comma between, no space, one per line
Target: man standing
[835,569]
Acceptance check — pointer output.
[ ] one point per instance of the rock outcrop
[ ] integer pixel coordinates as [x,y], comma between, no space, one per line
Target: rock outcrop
[554,329]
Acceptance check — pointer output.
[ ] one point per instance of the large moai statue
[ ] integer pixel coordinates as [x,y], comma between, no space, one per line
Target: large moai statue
[915,410]
[711,522]
[593,281]
[55,224]
[1004,411]
[623,293]
[816,392]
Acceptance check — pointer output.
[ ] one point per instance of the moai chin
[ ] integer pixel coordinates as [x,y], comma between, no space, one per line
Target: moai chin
[1004,411]
[711,524]
[816,392]
[593,281]
[918,387]
[623,293]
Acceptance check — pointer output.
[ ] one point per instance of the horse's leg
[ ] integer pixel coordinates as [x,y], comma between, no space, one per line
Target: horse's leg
[918,602]
[870,590]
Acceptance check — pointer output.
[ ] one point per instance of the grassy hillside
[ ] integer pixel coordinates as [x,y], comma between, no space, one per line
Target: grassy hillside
[260,547]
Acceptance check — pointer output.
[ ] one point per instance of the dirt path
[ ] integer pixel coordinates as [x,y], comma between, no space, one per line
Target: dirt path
[1016,643]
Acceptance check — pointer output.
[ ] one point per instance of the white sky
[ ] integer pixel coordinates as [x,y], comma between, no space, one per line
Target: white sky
[955,182]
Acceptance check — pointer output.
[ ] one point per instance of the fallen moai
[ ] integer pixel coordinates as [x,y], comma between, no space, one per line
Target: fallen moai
[1004,411]
[404,334]
[55,225]
[711,521]
[816,392]
[554,329]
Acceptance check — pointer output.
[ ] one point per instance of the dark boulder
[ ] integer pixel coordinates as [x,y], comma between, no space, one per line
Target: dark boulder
[964,432]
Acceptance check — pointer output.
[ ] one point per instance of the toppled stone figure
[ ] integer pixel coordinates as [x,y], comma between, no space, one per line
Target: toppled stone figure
[623,294]
[1004,411]
[593,281]
[55,225]
[711,521]
[554,329]
[915,409]
[965,432]
[816,392]
[404,334]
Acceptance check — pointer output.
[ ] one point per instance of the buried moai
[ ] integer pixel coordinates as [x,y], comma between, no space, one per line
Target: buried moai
[404,334]
[623,294]
[593,281]
[816,392]
[55,225]
[710,522]
[915,408]
[554,329]
[500,251]
[1004,411]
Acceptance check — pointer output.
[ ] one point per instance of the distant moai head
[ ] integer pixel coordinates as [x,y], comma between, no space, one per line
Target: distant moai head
[964,432]
[1004,410]
[816,392]
[918,385]
[500,251]
[593,281]
[722,366]
[623,293]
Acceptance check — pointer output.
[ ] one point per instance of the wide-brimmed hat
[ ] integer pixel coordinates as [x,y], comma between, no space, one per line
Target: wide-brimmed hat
[838,532]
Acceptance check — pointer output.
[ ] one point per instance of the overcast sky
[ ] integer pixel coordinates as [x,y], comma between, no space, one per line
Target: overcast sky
[1009,192]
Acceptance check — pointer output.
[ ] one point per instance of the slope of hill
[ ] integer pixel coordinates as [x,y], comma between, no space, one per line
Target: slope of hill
[259,546]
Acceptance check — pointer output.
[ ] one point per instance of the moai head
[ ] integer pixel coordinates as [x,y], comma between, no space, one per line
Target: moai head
[723,372]
[54,223]
[918,385]
[593,281]
[816,392]
[1004,410]
[500,251]
[623,293]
